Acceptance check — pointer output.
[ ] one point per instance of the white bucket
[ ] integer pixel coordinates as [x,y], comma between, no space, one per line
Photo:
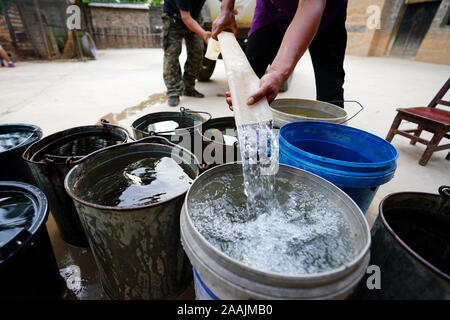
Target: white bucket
[218,276]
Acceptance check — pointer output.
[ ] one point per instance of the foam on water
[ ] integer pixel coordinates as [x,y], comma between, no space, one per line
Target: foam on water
[301,232]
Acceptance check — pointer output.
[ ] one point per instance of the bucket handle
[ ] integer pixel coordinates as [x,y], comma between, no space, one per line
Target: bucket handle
[444,191]
[78,160]
[106,123]
[354,101]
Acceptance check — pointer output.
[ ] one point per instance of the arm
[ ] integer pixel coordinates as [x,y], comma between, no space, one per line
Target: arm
[297,39]
[193,25]
[225,20]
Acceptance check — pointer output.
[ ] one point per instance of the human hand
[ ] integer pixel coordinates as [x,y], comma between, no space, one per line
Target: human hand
[205,36]
[269,86]
[228,99]
[225,20]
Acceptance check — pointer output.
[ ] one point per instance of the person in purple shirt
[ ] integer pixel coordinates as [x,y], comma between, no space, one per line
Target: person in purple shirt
[281,32]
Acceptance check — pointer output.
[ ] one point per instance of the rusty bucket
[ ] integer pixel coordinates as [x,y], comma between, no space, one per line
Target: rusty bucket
[53,156]
[411,248]
[136,245]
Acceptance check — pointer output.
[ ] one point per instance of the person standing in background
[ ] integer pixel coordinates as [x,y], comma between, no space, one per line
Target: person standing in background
[281,32]
[182,20]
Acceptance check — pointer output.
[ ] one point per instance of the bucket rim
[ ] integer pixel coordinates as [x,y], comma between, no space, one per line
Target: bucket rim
[36,130]
[144,119]
[317,102]
[402,243]
[40,204]
[28,155]
[348,164]
[122,209]
[310,277]
[235,145]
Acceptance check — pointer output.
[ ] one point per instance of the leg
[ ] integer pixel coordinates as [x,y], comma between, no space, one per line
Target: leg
[416,134]
[194,50]
[394,127]
[4,55]
[262,47]
[327,54]
[431,147]
[172,48]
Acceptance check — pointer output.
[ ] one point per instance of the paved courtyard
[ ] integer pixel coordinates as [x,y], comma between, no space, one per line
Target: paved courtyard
[126,84]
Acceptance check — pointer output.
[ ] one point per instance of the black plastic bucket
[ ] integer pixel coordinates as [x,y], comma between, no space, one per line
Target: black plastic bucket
[52,157]
[160,124]
[219,142]
[28,268]
[14,139]
[411,247]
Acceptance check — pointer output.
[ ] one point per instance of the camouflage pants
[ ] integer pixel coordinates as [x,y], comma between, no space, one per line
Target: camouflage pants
[174,32]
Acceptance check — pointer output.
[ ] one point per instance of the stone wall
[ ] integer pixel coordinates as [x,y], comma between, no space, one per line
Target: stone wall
[126,26]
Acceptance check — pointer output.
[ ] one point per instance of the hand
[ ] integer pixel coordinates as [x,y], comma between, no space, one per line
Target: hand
[269,86]
[228,99]
[225,20]
[205,36]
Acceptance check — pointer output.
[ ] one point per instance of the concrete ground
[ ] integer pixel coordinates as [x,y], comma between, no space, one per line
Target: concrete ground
[123,85]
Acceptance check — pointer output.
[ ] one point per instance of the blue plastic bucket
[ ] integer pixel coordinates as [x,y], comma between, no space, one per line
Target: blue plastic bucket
[356,161]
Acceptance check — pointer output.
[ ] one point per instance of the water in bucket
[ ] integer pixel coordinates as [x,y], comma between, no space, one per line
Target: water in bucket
[13,139]
[304,233]
[305,112]
[16,212]
[137,183]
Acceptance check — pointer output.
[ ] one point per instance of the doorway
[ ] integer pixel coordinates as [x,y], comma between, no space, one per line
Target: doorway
[414,25]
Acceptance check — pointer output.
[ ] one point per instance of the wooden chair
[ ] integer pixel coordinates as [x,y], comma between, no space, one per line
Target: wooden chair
[431,119]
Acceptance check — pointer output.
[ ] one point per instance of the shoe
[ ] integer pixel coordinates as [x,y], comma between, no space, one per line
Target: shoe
[173,101]
[194,93]
[11,64]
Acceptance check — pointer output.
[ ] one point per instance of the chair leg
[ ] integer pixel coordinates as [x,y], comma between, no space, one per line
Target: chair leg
[394,127]
[416,134]
[448,156]
[431,147]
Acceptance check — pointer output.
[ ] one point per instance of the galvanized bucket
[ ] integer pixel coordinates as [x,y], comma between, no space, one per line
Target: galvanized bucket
[290,110]
[137,249]
[410,246]
[188,121]
[225,278]
[215,149]
[49,171]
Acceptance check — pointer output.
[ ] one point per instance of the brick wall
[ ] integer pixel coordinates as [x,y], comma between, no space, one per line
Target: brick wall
[126,27]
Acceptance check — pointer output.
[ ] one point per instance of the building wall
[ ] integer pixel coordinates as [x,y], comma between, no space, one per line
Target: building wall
[124,28]
[363,41]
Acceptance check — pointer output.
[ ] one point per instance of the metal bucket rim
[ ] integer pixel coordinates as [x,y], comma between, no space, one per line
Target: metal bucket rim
[144,119]
[403,244]
[348,164]
[121,209]
[27,156]
[214,141]
[274,106]
[37,133]
[40,204]
[311,277]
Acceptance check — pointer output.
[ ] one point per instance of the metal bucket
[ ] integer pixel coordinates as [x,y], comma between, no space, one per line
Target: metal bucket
[137,249]
[188,121]
[28,268]
[222,277]
[12,166]
[410,245]
[215,149]
[290,110]
[49,171]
